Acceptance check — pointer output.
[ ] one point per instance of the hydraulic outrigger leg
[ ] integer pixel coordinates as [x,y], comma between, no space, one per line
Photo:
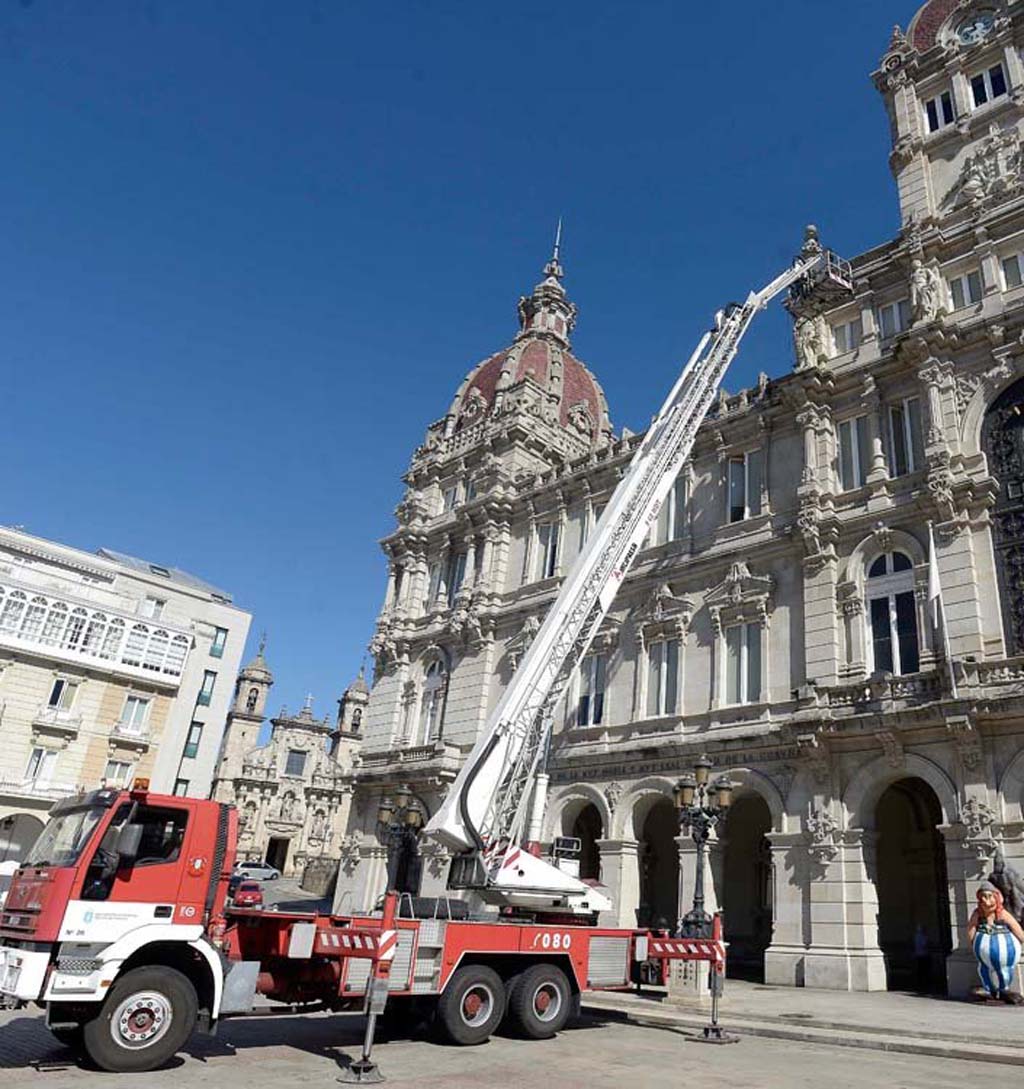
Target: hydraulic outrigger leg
[364,1071]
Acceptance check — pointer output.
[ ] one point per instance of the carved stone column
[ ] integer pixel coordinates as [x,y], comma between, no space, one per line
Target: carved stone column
[620,872]
[563,525]
[844,954]
[530,544]
[784,958]
[807,418]
[370,877]
[931,378]
[469,573]
[878,474]
[443,559]
[640,676]
[483,577]
[389,594]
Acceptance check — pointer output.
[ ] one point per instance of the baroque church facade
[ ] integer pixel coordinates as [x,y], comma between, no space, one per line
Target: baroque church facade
[778,618]
[292,789]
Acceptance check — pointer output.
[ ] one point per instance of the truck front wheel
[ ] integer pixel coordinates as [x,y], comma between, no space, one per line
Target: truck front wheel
[148,1014]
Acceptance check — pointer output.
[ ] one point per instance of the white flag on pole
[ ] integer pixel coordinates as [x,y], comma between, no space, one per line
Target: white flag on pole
[937,608]
[934,586]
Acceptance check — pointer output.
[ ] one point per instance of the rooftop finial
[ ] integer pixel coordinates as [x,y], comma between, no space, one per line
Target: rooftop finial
[263,642]
[553,267]
[308,706]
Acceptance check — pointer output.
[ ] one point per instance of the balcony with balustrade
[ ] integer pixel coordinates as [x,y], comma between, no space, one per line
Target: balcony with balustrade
[57,722]
[76,632]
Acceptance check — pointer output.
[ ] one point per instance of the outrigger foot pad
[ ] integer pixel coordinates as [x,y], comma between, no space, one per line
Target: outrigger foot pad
[714,1034]
[361,1072]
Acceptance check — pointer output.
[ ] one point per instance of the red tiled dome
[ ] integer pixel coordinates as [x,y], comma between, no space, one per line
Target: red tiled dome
[541,353]
[534,358]
[924,27]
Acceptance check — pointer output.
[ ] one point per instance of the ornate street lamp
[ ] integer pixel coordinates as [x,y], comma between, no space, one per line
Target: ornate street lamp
[701,805]
[400,821]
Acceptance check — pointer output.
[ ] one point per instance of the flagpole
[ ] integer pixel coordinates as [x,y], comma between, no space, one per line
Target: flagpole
[935,599]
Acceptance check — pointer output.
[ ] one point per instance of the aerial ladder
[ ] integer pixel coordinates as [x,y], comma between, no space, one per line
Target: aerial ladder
[485,815]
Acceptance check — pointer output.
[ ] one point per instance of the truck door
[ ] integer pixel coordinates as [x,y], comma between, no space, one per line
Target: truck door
[162,884]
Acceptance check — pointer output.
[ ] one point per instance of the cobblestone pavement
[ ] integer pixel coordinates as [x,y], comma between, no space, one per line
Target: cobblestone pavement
[296,1051]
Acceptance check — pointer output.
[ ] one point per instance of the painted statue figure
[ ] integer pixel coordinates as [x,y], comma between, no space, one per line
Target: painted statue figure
[996,938]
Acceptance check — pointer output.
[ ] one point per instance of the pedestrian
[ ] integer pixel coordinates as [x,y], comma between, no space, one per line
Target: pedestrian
[922,960]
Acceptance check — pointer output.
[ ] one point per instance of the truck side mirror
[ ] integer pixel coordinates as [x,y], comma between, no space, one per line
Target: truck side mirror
[129,841]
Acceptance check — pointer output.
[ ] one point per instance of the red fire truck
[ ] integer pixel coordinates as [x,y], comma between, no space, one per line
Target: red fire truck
[116,923]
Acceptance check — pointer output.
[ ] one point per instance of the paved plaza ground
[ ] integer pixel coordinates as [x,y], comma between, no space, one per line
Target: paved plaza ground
[296,1051]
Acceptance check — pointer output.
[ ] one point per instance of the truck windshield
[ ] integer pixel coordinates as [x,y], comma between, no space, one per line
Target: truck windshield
[64,837]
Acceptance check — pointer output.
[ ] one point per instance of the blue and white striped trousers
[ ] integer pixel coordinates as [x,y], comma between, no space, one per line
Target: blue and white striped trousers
[997,951]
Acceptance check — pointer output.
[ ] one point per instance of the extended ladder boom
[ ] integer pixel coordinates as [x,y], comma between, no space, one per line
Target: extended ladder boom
[484,815]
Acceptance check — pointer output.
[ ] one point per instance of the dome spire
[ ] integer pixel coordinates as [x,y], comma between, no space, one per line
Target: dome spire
[553,268]
[548,311]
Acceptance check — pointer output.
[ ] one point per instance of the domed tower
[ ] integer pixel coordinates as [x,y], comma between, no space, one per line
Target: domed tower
[953,85]
[529,409]
[536,375]
[248,711]
[348,731]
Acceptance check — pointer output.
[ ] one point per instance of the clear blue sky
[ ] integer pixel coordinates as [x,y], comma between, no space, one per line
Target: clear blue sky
[250,250]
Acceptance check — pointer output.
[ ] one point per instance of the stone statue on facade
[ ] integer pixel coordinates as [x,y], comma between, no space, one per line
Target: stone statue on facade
[1010,883]
[926,301]
[809,338]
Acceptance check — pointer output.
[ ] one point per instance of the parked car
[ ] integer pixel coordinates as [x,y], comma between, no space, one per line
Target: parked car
[263,871]
[248,895]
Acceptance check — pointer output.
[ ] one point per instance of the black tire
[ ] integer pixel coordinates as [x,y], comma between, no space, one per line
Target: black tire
[148,1014]
[540,1001]
[472,1005]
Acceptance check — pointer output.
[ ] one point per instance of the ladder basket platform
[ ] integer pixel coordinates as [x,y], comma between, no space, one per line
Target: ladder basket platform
[830,282]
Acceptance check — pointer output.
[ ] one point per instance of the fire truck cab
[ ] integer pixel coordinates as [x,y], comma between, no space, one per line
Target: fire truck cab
[118,890]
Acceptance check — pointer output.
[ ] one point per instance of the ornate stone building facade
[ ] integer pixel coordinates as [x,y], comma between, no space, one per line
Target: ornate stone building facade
[778,618]
[293,792]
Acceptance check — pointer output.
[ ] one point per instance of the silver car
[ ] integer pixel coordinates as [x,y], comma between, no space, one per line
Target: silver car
[260,871]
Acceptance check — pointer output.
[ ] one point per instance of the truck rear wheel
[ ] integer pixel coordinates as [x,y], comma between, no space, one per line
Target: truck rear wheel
[472,1005]
[148,1014]
[540,1001]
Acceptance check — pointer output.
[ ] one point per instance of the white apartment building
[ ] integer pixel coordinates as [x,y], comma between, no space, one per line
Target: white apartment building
[111,667]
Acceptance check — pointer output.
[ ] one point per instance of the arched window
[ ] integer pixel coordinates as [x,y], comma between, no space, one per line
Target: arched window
[252,699]
[135,648]
[76,626]
[357,719]
[10,616]
[432,703]
[32,624]
[157,649]
[112,640]
[56,618]
[94,634]
[176,655]
[892,609]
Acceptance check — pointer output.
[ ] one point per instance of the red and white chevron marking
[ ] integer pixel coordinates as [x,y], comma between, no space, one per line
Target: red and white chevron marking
[338,941]
[700,948]
[387,945]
